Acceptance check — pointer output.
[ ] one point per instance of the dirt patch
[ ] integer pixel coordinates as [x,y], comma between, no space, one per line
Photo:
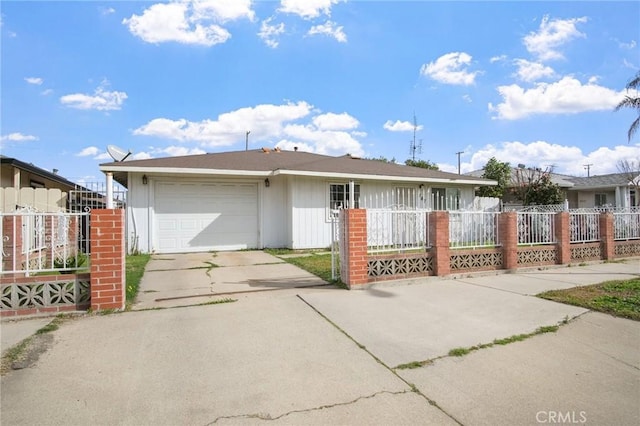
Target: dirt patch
[26,353]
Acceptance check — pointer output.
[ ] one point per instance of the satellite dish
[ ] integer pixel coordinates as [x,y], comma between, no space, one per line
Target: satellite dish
[118,154]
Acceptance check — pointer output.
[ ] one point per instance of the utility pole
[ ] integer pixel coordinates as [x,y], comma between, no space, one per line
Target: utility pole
[458,154]
[246,148]
[588,167]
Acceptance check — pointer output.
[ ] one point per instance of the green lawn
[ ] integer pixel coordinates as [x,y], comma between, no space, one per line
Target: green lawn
[317,264]
[618,298]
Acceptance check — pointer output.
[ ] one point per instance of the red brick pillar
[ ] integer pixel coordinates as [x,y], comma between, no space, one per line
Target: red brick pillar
[107,259]
[607,243]
[563,238]
[439,239]
[508,234]
[353,268]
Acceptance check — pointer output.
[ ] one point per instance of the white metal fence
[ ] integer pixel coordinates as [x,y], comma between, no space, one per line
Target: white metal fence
[584,227]
[626,226]
[397,230]
[536,228]
[35,242]
[473,229]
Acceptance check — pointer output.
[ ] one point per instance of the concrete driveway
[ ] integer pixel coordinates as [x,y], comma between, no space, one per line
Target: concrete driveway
[193,278]
[321,355]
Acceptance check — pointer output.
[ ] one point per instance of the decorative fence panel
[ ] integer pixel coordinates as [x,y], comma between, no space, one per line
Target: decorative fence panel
[396,230]
[584,227]
[34,242]
[51,293]
[536,228]
[626,225]
[473,229]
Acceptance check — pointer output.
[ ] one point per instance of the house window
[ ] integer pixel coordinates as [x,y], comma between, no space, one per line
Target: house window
[445,198]
[601,200]
[632,198]
[339,196]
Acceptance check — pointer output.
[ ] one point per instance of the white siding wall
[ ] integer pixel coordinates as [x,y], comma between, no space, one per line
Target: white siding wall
[309,197]
[274,208]
[310,227]
[138,213]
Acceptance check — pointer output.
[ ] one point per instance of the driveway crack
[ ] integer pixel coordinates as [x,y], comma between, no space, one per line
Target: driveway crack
[265,416]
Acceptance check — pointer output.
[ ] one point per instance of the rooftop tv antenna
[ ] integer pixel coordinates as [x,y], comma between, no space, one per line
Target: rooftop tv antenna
[118,154]
[415,146]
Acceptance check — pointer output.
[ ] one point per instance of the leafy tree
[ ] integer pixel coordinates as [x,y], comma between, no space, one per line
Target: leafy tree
[534,186]
[424,164]
[383,159]
[632,102]
[498,171]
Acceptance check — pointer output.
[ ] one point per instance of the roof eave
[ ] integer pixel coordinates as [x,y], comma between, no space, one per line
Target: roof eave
[182,171]
[418,179]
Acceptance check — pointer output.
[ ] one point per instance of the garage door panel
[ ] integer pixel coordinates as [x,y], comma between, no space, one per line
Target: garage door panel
[202,217]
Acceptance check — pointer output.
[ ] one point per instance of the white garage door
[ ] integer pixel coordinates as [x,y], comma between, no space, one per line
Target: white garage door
[192,217]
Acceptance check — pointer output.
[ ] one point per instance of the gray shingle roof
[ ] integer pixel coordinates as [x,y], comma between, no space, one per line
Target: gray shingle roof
[293,161]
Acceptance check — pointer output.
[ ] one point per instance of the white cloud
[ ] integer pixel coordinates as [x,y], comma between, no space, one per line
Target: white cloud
[18,137]
[188,22]
[532,71]
[331,121]
[264,121]
[307,9]
[291,146]
[34,80]
[46,92]
[175,151]
[330,29]
[89,151]
[450,68]
[328,133]
[269,33]
[629,45]
[326,142]
[467,98]
[107,10]
[565,159]
[567,96]
[400,126]
[551,35]
[499,58]
[101,99]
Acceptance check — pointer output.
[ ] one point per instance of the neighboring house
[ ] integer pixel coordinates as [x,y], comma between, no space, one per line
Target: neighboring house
[612,190]
[267,198]
[24,185]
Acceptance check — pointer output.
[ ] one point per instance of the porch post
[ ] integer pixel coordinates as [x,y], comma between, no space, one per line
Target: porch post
[109,190]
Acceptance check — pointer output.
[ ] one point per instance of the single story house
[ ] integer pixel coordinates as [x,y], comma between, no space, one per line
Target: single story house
[267,197]
[23,185]
[612,190]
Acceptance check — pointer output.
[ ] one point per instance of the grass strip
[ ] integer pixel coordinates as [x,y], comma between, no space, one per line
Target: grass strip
[134,270]
[620,298]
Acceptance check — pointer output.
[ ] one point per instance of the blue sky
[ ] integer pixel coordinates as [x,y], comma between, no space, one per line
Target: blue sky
[526,82]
